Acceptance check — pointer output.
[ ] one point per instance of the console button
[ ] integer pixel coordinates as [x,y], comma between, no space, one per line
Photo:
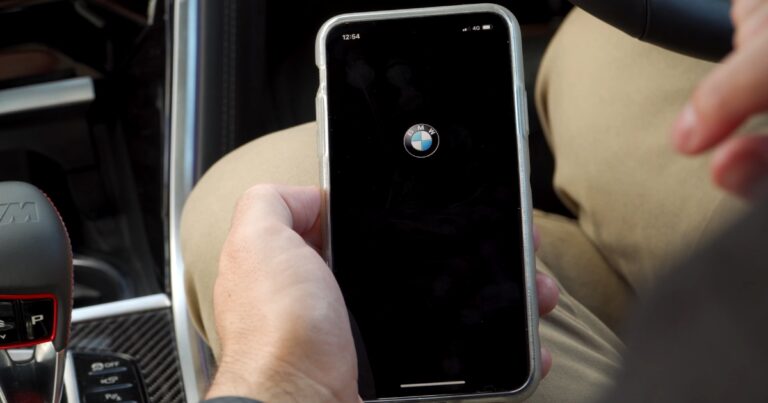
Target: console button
[106,365]
[38,318]
[7,317]
[6,310]
[110,377]
[9,333]
[6,325]
[127,394]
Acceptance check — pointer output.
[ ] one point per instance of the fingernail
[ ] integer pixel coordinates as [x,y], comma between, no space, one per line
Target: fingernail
[684,133]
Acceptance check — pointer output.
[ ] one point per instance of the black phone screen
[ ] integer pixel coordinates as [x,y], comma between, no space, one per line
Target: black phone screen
[426,223]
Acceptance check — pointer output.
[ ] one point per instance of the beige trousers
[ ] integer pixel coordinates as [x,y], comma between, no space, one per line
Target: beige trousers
[607,103]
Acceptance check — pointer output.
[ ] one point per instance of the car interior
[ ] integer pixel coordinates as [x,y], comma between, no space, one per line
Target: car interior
[115,108]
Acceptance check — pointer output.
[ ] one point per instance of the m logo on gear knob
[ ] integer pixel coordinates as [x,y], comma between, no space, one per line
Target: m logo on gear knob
[18,213]
[421,140]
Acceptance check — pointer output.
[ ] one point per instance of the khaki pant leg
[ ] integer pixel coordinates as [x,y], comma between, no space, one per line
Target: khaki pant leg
[608,102]
[586,352]
[581,270]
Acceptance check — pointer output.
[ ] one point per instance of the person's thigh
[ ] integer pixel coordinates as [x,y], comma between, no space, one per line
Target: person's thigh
[586,352]
[608,102]
[582,270]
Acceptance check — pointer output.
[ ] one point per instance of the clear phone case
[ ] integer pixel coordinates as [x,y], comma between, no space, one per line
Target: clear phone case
[521,116]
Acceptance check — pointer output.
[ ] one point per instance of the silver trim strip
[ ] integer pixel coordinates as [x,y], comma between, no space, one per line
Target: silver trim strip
[41,96]
[70,380]
[183,108]
[125,307]
[46,352]
[85,261]
[21,354]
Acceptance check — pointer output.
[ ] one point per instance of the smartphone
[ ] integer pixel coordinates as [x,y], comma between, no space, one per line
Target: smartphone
[423,142]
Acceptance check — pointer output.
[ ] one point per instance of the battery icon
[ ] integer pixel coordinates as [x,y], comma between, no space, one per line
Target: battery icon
[487,27]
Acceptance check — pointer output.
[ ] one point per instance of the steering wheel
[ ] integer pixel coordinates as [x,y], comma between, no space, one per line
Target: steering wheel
[698,28]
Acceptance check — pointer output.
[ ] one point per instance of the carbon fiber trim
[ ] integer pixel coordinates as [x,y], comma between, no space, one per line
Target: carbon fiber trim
[148,338]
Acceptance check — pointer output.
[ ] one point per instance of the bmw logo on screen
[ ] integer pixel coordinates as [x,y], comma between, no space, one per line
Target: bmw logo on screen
[421,141]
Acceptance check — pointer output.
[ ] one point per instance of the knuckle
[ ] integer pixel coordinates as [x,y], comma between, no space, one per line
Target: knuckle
[737,10]
[258,192]
[735,13]
[253,196]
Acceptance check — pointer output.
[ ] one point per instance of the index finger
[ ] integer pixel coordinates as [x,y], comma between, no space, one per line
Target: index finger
[732,93]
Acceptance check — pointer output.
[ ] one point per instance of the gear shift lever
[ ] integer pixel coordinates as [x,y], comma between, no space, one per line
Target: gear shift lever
[35,295]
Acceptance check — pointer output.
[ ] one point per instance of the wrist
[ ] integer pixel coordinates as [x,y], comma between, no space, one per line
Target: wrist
[265,381]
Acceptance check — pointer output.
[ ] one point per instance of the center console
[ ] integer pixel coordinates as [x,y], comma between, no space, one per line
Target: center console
[126,351]
[95,98]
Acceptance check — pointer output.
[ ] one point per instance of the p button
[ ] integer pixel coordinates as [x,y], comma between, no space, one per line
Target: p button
[38,319]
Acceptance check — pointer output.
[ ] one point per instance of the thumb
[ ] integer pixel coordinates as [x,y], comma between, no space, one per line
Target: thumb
[295,207]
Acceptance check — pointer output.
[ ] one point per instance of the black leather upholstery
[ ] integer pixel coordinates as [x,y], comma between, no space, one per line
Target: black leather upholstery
[699,28]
